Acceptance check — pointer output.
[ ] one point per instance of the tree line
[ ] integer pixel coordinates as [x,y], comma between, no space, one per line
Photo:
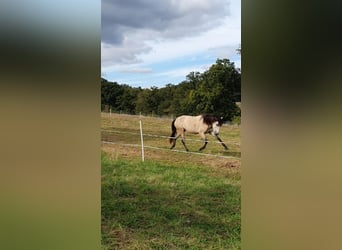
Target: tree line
[217,90]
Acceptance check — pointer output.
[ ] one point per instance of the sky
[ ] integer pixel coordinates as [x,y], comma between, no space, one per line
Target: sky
[148,43]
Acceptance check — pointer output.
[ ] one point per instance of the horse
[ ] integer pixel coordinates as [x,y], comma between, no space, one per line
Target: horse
[201,124]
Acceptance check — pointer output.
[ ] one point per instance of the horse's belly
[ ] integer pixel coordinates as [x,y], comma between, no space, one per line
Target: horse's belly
[193,129]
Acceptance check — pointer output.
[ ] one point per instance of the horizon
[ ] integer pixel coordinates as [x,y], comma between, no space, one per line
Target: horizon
[154,86]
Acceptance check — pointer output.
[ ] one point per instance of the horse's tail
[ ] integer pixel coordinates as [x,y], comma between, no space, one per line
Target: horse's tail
[174,130]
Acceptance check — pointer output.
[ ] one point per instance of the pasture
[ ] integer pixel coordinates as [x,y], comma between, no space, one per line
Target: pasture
[173,200]
[124,129]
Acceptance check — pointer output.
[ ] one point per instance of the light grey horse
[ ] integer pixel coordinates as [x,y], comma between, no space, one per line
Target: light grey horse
[201,124]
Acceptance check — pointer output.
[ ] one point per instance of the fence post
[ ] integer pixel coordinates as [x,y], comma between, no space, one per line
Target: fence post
[110,112]
[142,140]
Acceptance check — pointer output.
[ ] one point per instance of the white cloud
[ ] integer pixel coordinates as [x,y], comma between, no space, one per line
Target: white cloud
[136,70]
[209,42]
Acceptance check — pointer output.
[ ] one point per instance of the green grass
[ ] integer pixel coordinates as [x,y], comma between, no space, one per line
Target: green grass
[156,205]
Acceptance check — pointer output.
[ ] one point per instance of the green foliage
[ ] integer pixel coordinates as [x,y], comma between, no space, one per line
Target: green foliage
[213,91]
[236,120]
[118,97]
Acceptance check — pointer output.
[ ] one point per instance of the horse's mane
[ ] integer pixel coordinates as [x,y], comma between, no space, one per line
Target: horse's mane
[209,119]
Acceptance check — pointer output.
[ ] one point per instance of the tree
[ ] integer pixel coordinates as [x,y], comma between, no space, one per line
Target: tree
[213,91]
[110,92]
[127,100]
[217,90]
[148,101]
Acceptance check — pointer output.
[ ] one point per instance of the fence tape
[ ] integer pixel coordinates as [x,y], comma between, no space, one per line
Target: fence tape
[166,137]
[169,150]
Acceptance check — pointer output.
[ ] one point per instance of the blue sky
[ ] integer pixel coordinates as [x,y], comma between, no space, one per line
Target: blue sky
[152,43]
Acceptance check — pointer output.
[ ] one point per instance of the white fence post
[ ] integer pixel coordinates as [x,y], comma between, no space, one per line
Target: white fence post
[142,140]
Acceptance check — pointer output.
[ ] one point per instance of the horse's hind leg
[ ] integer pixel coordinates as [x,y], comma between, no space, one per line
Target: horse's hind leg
[186,148]
[174,140]
[205,142]
[224,145]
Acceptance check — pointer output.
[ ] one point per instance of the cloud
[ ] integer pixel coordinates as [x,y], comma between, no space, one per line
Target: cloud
[136,70]
[220,41]
[169,17]
[126,53]
[182,72]
[130,27]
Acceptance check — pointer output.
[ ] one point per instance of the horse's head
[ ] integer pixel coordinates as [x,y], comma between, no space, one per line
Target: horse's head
[214,123]
[215,128]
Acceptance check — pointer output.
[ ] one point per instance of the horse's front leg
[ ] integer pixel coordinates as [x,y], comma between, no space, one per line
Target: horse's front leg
[224,145]
[205,141]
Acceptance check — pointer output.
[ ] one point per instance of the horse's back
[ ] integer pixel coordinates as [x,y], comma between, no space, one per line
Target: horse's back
[190,123]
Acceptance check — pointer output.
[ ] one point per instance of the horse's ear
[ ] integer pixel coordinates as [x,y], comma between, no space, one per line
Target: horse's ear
[221,121]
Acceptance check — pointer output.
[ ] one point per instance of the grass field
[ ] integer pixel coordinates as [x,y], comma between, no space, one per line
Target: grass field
[172,200]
